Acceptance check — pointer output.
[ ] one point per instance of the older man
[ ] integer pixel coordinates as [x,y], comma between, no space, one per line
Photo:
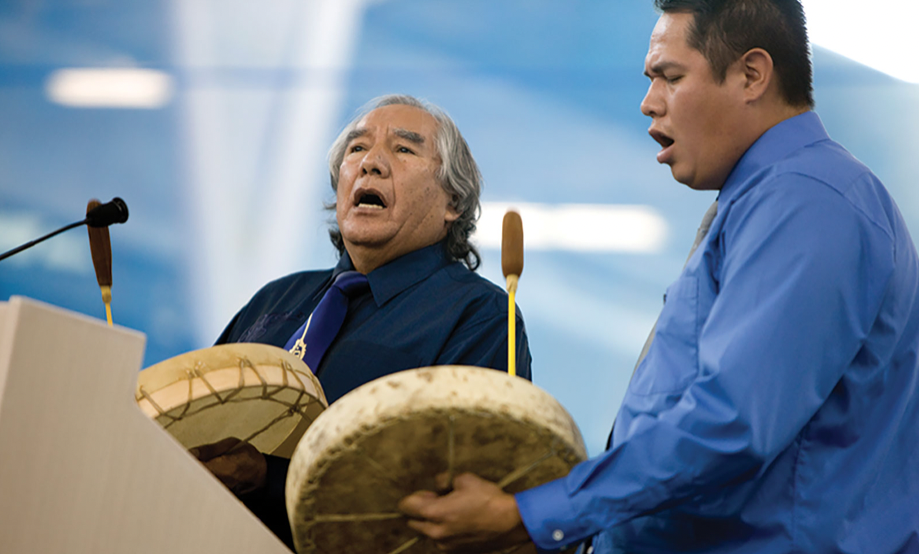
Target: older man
[407,199]
[776,408]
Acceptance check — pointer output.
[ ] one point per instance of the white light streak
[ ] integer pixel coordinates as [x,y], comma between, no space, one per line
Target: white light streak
[109,88]
[577,227]
[879,34]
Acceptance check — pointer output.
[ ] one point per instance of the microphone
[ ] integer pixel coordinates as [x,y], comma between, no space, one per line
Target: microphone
[103,215]
[98,217]
[512,266]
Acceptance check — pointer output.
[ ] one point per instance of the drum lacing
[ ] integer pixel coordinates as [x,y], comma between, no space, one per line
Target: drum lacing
[383,516]
[153,403]
[199,372]
[451,450]
[378,468]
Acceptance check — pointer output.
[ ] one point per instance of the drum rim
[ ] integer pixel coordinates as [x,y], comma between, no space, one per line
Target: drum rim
[225,371]
[336,430]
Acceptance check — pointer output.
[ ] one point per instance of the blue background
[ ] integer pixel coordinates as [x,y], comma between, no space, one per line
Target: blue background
[545,91]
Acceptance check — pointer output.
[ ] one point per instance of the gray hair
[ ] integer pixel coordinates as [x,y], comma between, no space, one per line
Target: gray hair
[459,175]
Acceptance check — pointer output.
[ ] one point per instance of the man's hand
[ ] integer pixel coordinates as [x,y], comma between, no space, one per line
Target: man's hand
[476,516]
[238,465]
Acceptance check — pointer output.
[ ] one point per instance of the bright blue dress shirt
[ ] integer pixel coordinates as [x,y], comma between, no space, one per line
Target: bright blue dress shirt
[777,408]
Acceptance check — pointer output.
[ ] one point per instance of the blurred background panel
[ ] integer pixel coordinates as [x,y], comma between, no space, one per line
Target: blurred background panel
[212,119]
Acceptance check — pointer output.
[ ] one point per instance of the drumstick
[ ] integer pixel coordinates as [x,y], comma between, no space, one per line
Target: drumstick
[100,246]
[512,266]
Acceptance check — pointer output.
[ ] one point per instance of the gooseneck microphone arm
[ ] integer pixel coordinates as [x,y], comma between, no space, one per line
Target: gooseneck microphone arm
[103,215]
[30,244]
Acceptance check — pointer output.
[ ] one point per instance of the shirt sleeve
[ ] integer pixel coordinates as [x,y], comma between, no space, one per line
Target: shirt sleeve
[799,284]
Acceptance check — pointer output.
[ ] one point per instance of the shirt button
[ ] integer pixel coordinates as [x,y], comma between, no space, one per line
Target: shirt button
[558,535]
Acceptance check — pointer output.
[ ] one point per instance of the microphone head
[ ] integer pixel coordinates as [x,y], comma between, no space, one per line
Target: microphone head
[512,244]
[103,215]
[100,245]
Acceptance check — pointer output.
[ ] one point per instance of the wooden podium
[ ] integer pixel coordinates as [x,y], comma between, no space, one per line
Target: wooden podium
[82,470]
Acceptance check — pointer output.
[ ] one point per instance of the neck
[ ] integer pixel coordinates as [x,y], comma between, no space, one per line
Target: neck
[784,112]
[775,110]
[366,260]
[768,118]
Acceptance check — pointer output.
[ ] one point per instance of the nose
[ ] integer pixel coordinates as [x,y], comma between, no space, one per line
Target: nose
[652,105]
[375,162]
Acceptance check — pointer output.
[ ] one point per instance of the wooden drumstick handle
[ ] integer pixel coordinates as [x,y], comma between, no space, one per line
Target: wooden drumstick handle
[100,246]
[512,266]
[512,244]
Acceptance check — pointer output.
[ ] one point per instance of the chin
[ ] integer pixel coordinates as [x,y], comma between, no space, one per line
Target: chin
[680,178]
[692,182]
[363,241]
[365,235]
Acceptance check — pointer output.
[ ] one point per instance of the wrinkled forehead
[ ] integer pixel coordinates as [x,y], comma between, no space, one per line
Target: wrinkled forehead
[399,120]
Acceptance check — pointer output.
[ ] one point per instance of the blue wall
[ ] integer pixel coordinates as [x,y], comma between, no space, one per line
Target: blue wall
[546,92]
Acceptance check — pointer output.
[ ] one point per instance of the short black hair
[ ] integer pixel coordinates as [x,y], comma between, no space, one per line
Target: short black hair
[724,30]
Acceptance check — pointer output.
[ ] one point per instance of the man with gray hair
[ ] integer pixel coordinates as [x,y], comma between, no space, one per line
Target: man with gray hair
[407,200]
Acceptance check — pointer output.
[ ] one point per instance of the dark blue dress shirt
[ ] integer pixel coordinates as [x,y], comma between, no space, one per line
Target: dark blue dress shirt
[777,409]
[421,310]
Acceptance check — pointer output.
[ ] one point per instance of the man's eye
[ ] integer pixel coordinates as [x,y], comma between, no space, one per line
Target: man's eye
[672,80]
[404,150]
[356,148]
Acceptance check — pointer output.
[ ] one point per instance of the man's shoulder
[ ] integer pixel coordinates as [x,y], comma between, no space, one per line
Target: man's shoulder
[463,279]
[820,172]
[828,162]
[300,278]
[462,290]
[301,282]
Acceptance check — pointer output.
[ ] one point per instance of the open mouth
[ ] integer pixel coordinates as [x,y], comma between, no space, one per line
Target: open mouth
[370,200]
[665,156]
[661,138]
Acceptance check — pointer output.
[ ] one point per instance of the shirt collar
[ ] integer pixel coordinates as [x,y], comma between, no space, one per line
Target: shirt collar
[775,144]
[396,276]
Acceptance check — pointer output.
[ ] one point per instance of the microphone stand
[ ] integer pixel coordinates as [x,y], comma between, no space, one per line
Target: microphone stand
[101,215]
[30,244]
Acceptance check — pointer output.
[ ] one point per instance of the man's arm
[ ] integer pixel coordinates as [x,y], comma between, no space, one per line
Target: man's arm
[476,512]
[794,305]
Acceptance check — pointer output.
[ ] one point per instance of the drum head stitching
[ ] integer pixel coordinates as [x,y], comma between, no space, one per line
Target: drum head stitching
[551,450]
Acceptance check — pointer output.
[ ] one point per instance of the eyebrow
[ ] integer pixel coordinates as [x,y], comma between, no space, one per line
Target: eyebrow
[659,68]
[410,136]
[355,134]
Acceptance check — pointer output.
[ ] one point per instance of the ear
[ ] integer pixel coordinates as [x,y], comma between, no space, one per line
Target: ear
[758,73]
[451,214]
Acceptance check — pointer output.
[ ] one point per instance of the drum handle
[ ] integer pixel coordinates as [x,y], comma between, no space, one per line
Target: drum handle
[512,325]
[512,267]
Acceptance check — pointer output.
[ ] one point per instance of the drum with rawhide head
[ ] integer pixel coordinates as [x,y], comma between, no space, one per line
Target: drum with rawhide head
[392,436]
[259,393]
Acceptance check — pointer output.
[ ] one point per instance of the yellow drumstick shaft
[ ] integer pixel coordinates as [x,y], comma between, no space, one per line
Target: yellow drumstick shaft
[512,267]
[107,298]
[512,324]
[100,246]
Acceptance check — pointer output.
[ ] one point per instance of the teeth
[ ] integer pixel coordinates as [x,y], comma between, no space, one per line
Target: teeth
[376,206]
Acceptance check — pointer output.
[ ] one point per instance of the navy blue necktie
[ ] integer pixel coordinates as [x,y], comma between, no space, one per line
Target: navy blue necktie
[313,338]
